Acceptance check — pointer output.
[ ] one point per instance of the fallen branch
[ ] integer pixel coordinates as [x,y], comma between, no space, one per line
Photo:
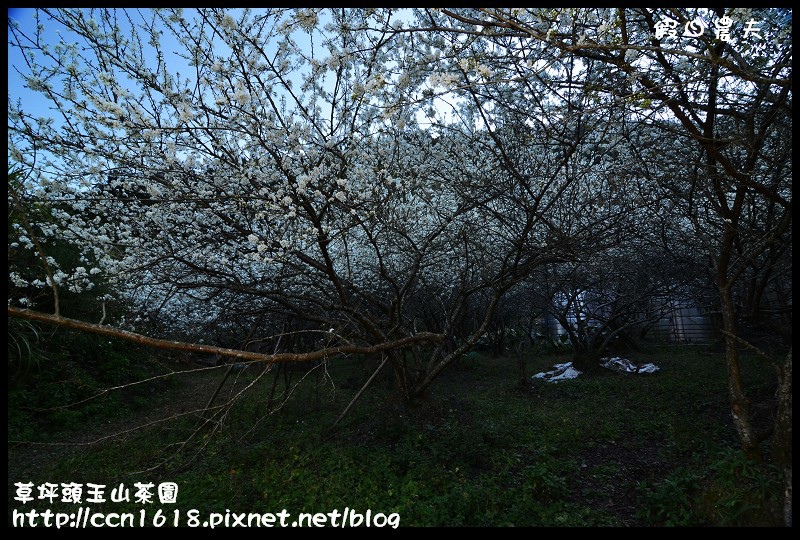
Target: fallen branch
[244,355]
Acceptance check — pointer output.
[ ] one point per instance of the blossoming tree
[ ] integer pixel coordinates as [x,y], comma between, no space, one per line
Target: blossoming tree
[277,179]
[362,169]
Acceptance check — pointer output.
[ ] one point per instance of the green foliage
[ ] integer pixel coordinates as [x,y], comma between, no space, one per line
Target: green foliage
[606,451]
[545,481]
[551,344]
[729,491]
[50,370]
[24,352]
[672,501]
[742,492]
[47,396]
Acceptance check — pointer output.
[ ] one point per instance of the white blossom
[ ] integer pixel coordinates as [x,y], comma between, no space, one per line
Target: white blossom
[446,80]
[242,97]
[484,71]
[307,19]
[228,22]
[17,279]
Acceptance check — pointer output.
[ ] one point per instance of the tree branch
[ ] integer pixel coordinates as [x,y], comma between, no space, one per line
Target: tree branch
[157,343]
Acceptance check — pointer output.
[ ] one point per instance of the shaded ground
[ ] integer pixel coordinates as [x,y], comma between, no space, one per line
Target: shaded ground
[189,393]
[611,449]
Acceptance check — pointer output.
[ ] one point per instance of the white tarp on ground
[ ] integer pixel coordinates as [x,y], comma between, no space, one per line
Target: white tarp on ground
[562,372]
[623,365]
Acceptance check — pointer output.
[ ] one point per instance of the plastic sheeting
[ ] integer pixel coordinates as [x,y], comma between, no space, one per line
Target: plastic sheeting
[565,371]
[623,365]
[561,372]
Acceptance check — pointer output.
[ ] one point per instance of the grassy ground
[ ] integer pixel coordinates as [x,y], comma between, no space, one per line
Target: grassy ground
[617,450]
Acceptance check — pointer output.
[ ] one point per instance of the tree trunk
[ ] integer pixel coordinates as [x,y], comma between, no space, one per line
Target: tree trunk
[585,359]
[740,405]
[782,448]
[499,348]
[401,373]
[519,349]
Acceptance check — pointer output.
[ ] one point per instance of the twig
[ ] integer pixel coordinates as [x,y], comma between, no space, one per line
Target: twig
[216,392]
[358,394]
[746,344]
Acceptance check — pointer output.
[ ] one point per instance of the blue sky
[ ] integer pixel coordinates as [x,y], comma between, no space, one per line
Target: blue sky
[27,22]
[35,104]
[15,83]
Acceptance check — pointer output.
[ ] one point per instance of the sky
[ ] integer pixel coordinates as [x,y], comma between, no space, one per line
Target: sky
[27,21]
[15,82]
[37,105]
